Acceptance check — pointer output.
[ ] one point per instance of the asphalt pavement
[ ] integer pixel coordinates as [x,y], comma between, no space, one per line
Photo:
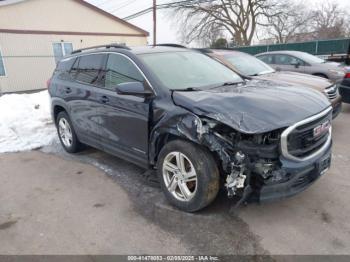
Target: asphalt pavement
[94,203]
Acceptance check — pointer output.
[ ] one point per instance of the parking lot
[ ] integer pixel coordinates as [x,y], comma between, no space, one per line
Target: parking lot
[94,203]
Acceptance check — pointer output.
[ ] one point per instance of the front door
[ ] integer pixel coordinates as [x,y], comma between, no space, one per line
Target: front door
[124,118]
[289,63]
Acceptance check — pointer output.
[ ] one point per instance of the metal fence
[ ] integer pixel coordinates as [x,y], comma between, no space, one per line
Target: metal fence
[321,47]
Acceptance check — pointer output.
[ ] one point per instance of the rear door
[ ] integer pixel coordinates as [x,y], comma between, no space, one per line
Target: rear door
[124,118]
[83,99]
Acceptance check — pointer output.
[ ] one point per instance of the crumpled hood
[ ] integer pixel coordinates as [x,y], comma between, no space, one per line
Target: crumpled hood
[255,107]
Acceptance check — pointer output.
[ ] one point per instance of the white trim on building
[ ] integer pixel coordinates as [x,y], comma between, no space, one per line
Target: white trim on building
[2,63]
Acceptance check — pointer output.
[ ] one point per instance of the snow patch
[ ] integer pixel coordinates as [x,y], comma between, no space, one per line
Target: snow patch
[25,122]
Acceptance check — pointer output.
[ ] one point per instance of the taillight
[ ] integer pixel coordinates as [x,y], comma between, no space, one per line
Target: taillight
[48,82]
[347,75]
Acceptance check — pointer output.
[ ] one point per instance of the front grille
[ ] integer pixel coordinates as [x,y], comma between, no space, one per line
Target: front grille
[332,92]
[305,139]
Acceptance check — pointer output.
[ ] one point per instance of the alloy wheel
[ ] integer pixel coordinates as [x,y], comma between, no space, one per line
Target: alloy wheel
[65,132]
[179,176]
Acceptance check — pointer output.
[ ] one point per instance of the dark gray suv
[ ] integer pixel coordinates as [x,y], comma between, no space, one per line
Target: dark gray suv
[194,121]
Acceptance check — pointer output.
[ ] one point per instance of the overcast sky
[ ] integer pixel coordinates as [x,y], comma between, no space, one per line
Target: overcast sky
[167,31]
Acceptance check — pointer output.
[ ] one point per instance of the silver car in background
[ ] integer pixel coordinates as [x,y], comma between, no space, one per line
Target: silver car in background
[302,62]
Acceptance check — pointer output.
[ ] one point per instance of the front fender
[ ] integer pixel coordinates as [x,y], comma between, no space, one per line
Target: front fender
[189,127]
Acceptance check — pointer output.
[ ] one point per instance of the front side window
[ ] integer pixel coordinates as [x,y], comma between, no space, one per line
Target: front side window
[120,70]
[268,59]
[185,69]
[248,65]
[287,60]
[89,69]
[2,66]
[62,49]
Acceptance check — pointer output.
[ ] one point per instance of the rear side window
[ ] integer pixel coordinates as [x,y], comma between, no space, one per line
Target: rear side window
[121,70]
[89,69]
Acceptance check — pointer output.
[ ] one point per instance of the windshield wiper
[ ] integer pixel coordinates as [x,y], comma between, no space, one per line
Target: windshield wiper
[263,73]
[227,84]
[189,89]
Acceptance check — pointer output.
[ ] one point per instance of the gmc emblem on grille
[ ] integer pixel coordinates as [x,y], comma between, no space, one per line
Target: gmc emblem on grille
[322,128]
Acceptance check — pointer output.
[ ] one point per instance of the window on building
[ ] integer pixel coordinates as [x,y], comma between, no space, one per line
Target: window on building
[121,70]
[62,49]
[2,66]
[90,69]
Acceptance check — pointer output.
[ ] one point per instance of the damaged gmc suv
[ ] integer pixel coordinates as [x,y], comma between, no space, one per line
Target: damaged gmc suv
[194,121]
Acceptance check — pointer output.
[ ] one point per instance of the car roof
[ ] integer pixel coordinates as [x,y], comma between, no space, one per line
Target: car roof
[286,52]
[134,50]
[227,51]
[156,49]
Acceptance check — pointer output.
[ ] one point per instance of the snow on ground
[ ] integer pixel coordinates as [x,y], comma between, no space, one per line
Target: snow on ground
[25,122]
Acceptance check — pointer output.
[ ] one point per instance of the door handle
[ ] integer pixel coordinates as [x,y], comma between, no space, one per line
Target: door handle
[68,90]
[104,99]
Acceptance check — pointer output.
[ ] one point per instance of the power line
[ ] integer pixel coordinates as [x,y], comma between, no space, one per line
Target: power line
[124,4]
[164,6]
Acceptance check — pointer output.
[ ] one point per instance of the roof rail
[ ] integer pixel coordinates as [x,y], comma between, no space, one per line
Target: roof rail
[172,45]
[100,46]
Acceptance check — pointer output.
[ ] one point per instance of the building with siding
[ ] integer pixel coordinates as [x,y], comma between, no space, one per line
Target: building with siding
[35,34]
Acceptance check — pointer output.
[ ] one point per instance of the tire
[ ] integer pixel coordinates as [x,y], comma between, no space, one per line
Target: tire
[70,143]
[321,75]
[200,188]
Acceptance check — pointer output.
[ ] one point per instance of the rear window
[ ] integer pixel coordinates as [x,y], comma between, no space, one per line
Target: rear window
[66,64]
[90,69]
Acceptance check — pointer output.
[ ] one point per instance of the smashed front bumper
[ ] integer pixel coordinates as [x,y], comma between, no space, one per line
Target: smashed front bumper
[300,176]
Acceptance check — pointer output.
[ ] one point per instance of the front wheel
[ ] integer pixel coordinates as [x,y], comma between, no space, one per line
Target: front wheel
[188,175]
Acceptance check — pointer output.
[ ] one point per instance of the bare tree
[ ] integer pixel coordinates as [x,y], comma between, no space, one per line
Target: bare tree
[330,21]
[212,33]
[292,21]
[239,18]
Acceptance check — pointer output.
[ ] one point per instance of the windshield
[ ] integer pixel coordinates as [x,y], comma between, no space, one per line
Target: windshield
[311,59]
[248,65]
[182,70]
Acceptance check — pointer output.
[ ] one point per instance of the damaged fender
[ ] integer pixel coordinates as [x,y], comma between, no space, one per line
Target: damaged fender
[190,127]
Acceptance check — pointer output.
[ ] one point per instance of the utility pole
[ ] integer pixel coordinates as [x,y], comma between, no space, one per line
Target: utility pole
[154,22]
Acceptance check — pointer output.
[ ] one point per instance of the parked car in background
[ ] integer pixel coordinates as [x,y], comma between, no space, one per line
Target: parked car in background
[302,62]
[344,87]
[249,66]
[194,121]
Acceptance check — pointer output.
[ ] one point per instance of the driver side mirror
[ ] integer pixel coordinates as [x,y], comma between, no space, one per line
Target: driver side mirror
[133,89]
[296,64]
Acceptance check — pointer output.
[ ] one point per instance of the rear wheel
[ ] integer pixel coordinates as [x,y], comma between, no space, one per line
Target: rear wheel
[66,133]
[188,175]
[321,75]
